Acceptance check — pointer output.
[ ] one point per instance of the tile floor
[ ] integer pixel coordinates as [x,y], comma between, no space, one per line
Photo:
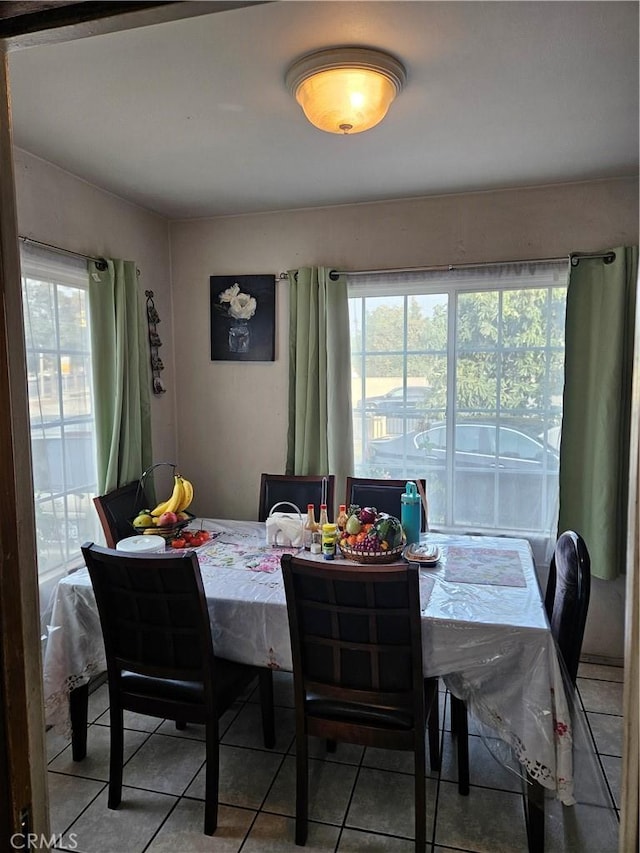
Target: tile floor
[361,800]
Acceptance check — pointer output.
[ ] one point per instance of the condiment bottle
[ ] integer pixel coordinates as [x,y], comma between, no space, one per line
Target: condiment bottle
[410,513]
[324,518]
[316,542]
[341,520]
[329,533]
[310,526]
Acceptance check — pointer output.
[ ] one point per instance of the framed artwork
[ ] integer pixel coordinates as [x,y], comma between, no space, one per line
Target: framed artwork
[243,317]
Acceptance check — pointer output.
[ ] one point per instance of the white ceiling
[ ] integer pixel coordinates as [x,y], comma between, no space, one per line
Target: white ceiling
[191,118]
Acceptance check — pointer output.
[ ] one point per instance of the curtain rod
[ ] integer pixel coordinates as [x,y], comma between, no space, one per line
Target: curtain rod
[574,259]
[99,262]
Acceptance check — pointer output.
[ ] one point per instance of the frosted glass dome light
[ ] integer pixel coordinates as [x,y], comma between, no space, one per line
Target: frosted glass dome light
[347,89]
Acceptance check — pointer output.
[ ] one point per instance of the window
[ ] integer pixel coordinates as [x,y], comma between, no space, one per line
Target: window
[458,378]
[58,350]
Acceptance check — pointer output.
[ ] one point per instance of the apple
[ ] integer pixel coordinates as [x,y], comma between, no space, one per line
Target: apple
[167,519]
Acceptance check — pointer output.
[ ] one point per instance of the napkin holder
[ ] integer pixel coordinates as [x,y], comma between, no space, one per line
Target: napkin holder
[285,529]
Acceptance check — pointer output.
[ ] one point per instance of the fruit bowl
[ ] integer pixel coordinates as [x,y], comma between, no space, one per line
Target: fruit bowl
[371,537]
[371,557]
[168,531]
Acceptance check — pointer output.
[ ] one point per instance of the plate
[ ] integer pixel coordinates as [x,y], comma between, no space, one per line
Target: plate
[425,555]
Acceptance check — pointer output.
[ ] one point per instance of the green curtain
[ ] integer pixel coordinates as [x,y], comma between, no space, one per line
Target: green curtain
[320,436]
[121,374]
[594,450]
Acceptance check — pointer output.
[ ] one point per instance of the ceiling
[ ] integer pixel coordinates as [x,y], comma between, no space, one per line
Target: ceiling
[191,118]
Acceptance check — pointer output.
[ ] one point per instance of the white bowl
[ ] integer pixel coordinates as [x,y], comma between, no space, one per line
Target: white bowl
[141,545]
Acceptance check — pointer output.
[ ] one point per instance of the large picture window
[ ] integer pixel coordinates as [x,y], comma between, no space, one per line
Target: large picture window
[458,378]
[58,350]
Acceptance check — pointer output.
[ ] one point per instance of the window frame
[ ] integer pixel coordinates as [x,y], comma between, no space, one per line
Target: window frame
[57,271]
[453,284]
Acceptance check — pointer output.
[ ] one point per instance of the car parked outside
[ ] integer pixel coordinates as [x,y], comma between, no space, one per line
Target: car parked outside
[395,401]
[501,477]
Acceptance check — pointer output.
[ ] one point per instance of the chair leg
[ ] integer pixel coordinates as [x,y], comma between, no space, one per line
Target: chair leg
[433,722]
[455,715]
[265,680]
[420,795]
[331,745]
[212,777]
[459,714]
[534,814]
[181,725]
[116,752]
[78,712]
[302,788]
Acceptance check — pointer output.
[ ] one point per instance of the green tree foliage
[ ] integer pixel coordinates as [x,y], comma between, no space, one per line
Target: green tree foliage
[509,349]
[39,301]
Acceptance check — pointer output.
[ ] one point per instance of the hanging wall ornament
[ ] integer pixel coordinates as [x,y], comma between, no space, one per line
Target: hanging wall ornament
[153,318]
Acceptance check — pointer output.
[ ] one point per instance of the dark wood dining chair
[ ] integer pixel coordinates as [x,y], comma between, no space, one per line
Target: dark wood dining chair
[299,489]
[116,509]
[357,667]
[566,603]
[384,495]
[567,596]
[160,657]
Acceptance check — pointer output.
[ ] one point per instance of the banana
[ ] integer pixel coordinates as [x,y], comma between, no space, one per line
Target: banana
[177,496]
[180,498]
[188,494]
[162,507]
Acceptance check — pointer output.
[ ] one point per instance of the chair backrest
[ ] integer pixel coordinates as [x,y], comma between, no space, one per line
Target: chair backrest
[117,508]
[567,597]
[384,495]
[153,613]
[300,490]
[355,633]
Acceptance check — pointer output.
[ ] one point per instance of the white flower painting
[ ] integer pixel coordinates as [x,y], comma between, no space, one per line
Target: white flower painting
[242,317]
[241,306]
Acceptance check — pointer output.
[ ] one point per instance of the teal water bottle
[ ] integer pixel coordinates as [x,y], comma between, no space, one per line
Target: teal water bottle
[410,516]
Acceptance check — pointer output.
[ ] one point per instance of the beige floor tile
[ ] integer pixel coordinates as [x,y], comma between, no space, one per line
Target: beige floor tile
[604,697]
[276,834]
[165,764]
[127,829]
[245,777]
[68,797]
[182,831]
[355,841]
[246,729]
[607,732]
[96,763]
[486,821]
[383,802]
[599,671]
[330,787]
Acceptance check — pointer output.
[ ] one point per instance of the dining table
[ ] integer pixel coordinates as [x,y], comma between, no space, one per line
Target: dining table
[484,632]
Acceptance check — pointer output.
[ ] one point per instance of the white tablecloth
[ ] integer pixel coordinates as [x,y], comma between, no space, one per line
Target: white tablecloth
[483,626]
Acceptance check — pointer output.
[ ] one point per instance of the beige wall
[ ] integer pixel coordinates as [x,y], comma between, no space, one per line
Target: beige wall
[225,423]
[232,420]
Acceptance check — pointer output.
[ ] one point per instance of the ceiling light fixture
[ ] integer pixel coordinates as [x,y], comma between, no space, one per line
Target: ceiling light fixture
[346,89]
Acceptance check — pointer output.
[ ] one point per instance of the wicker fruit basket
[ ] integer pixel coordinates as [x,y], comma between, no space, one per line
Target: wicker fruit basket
[371,557]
